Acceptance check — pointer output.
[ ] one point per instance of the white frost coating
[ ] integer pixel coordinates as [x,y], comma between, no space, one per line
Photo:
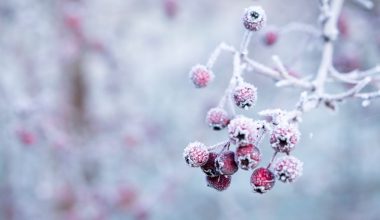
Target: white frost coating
[288,168]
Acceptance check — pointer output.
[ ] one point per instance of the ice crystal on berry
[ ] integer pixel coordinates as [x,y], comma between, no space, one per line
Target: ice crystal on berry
[262,180]
[196,154]
[217,118]
[288,168]
[226,164]
[209,167]
[248,156]
[254,18]
[242,131]
[284,137]
[201,76]
[245,95]
[219,183]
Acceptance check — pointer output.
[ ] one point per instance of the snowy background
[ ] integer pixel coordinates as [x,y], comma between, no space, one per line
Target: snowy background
[96,108]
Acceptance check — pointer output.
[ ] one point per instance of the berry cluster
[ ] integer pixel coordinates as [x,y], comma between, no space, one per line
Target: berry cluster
[219,162]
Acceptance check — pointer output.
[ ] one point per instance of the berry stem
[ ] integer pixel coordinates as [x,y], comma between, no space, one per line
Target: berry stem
[225,147]
[216,53]
[220,144]
[245,42]
[271,161]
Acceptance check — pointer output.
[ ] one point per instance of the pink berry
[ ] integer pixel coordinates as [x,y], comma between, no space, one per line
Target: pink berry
[284,137]
[171,8]
[226,164]
[209,168]
[248,156]
[262,180]
[343,25]
[27,137]
[245,95]
[196,154]
[270,38]
[242,131]
[217,118]
[219,183]
[254,18]
[201,76]
[288,168]
[347,63]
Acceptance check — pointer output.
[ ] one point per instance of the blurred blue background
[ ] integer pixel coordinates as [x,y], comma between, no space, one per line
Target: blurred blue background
[96,108]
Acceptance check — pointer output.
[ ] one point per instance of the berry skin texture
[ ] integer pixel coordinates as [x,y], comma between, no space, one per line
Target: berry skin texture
[219,183]
[248,157]
[262,180]
[254,18]
[209,167]
[288,169]
[196,154]
[201,76]
[225,163]
[242,131]
[284,138]
[270,38]
[217,118]
[245,95]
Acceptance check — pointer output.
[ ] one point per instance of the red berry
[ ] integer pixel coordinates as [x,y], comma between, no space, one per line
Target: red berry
[26,137]
[217,118]
[248,156]
[270,38]
[242,131]
[284,138]
[201,76]
[196,154]
[254,18]
[219,183]
[262,180]
[171,8]
[245,95]
[343,25]
[226,164]
[288,168]
[347,63]
[209,168]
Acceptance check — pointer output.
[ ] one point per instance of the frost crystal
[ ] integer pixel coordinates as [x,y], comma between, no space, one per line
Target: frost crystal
[284,137]
[196,154]
[242,131]
[254,18]
[201,76]
[217,118]
[248,157]
[245,95]
[288,168]
[262,180]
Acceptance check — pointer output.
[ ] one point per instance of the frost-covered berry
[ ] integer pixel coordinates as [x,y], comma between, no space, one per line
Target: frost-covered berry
[284,137]
[270,38]
[288,168]
[242,131]
[254,18]
[209,167]
[226,164]
[196,154]
[201,76]
[248,156]
[217,118]
[262,180]
[219,183]
[245,95]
